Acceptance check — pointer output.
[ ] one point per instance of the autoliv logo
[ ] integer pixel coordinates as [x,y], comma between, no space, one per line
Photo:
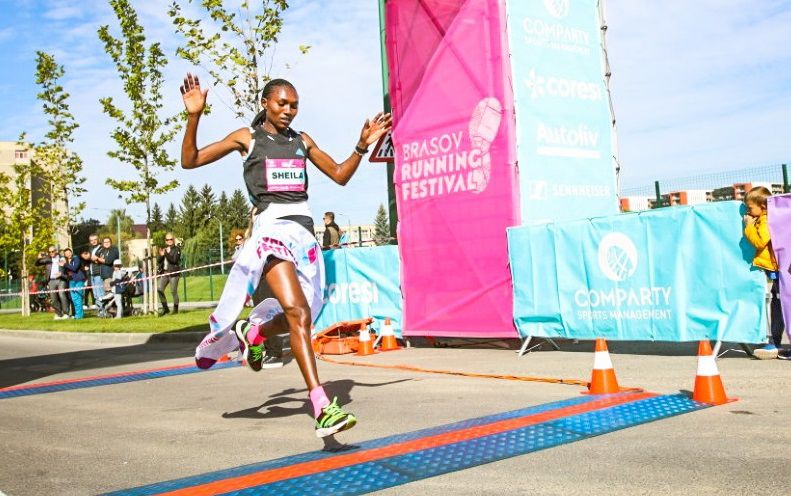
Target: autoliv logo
[567,141]
[557,87]
[556,33]
[618,260]
[364,292]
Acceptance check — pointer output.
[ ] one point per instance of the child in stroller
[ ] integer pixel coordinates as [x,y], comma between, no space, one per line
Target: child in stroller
[126,284]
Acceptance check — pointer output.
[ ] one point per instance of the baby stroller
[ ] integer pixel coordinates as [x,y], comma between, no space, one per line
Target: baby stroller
[131,287]
[39,302]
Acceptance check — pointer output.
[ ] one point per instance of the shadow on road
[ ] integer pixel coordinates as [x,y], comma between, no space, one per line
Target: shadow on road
[16,371]
[298,403]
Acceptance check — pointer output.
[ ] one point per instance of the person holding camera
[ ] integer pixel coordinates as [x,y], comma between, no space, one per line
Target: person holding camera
[56,280]
[168,262]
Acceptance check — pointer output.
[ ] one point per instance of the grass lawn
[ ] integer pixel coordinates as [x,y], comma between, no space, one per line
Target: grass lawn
[186,320]
[201,288]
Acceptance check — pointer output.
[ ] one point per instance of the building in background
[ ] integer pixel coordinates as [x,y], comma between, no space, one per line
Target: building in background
[736,191]
[686,197]
[353,235]
[635,203]
[11,154]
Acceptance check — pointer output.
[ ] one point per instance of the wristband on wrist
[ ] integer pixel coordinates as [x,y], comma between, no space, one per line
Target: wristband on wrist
[360,151]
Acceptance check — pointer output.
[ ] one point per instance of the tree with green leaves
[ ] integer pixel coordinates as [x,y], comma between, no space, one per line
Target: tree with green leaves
[82,230]
[141,133]
[60,168]
[206,205]
[189,219]
[24,220]
[238,210]
[381,227]
[235,48]
[157,222]
[118,219]
[171,218]
[222,206]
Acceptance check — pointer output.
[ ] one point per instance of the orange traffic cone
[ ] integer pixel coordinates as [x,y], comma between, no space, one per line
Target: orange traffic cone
[365,347]
[603,379]
[389,342]
[708,384]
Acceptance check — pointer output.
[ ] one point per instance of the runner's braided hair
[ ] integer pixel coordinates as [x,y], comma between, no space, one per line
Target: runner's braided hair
[260,117]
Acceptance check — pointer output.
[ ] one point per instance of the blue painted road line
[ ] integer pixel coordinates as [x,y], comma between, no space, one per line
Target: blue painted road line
[104,380]
[404,458]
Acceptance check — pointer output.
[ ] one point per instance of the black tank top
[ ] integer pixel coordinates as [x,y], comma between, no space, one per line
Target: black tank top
[275,169]
[275,172]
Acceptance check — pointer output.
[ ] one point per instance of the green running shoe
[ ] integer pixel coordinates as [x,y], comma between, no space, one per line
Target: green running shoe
[252,354]
[333,420]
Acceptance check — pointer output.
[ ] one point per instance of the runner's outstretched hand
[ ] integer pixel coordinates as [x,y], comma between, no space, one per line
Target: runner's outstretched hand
[374,128]
[192,94]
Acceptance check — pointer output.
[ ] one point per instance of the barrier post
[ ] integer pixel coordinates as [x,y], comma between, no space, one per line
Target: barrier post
[658,195]
[786,184]
[185,285]
[147,274]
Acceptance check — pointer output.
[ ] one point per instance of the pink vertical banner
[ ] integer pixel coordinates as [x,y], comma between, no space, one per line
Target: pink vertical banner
[779,215]
[456,176]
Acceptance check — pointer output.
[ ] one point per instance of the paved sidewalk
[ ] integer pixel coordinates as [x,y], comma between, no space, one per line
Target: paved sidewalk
[93,440]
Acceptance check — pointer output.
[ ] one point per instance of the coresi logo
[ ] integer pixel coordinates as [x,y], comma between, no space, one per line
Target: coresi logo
[617,256]
[557,8]
[540,86]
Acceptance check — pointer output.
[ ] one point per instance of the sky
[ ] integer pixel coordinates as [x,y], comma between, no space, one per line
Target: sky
[697,86]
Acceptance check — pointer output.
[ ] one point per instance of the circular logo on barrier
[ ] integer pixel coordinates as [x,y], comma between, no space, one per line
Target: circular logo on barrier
[617,256]
[557,8]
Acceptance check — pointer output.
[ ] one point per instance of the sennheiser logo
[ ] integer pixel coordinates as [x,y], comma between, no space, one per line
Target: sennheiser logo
[557,8]
[617,257]
[537,190]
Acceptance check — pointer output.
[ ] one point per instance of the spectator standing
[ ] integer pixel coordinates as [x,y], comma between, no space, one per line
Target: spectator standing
[94,273]
[332,232]
[239,242]
[118,285]
[169,264]
[107,255]
[76,275]
[56,281]
[756,230]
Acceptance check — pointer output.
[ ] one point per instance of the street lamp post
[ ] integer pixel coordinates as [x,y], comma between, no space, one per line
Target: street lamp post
[222,249]
[348,229]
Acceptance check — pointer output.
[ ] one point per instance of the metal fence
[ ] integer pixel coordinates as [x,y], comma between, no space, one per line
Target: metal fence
[8,295]
[718,186]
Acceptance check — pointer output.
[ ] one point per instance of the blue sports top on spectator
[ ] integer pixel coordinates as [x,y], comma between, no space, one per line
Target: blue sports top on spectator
[75,270]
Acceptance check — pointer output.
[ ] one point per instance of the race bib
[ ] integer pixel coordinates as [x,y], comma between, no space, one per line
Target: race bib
[285,174]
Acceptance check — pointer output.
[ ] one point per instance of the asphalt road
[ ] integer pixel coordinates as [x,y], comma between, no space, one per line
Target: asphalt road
[93,440]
